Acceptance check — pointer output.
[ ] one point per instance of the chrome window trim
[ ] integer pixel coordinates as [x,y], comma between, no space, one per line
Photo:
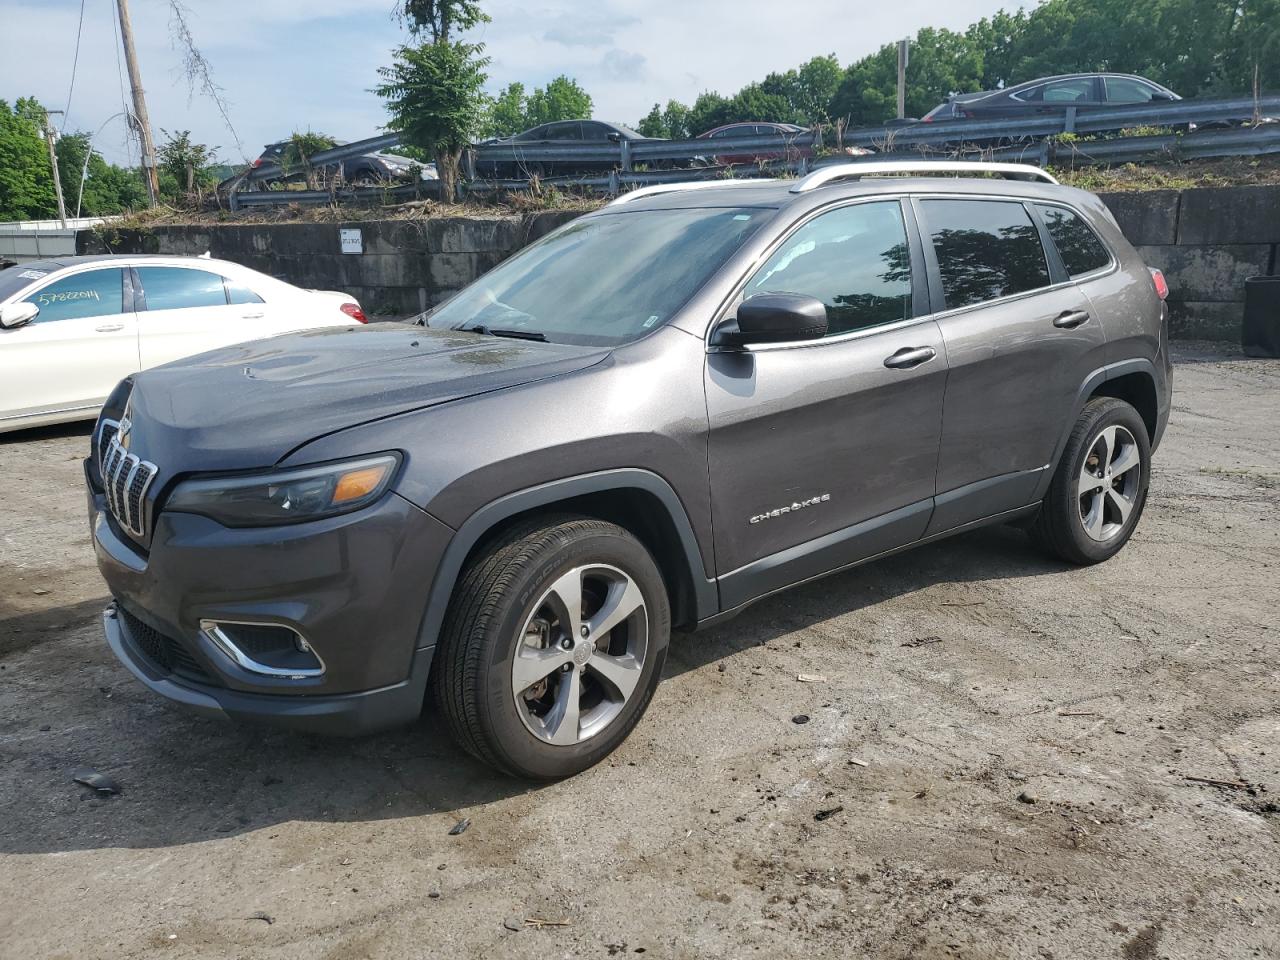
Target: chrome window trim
[212,629]
[935,315]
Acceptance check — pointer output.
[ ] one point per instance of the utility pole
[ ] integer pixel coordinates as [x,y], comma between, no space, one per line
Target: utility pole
[903,55]
[139,104]
[53,164]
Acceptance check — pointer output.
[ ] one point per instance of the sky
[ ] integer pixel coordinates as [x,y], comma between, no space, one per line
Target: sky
[288,65]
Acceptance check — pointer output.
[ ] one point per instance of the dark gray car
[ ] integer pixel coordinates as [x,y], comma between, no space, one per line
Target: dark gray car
[688,400]
[1053,95]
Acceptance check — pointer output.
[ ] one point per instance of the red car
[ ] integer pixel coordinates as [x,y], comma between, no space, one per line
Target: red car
[783,130]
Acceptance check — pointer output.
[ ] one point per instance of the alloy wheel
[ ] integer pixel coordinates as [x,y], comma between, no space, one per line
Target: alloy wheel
[581,654]
[1110,482]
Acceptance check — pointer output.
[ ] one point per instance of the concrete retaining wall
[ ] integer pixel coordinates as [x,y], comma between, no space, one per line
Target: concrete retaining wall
[1207,241]
[405,265]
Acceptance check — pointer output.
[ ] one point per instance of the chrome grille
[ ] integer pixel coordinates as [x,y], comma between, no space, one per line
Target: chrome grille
[125,479]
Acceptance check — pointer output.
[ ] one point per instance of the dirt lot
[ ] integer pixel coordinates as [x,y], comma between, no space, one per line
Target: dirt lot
[959,678]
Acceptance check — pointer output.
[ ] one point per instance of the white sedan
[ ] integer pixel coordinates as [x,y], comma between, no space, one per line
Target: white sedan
[73,327]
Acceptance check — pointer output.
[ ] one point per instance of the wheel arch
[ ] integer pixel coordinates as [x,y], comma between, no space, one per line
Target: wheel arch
[637,500]
[1133,381]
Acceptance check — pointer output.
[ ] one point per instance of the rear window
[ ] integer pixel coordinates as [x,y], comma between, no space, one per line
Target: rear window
[986,249]
[1081,250]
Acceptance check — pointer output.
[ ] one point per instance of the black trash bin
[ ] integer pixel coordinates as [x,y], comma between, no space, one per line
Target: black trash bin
[1261,334]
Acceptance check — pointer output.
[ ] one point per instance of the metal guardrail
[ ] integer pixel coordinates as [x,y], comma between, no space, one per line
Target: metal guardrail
[963,139]
[1071,120]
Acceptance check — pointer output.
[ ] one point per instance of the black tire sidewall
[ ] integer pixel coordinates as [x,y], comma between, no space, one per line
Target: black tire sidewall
[1066,490]
[520,750]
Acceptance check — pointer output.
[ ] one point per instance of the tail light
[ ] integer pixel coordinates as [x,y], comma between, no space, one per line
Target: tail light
[1162,285]
[256,163]
[353,311]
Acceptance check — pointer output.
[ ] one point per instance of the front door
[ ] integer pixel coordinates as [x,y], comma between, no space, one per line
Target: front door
[81,344]
[824,452]
[1019,342]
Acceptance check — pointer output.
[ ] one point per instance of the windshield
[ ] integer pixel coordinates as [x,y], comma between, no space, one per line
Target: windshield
[604,280]
[20,276]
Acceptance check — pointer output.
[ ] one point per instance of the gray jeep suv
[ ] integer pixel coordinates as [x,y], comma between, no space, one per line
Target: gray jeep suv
[667,409]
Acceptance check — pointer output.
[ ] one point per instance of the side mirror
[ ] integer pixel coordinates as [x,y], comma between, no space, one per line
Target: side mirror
[614,136]
[16,314]
[773,318]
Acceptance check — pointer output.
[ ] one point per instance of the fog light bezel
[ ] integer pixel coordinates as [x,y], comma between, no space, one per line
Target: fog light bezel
[213,631]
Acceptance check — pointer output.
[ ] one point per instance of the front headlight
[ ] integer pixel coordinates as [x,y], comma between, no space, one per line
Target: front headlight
[287,496]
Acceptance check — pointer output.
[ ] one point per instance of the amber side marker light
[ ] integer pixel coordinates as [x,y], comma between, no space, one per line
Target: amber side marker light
[359,483]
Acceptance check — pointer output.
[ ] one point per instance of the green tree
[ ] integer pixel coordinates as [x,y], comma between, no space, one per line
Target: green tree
[302,146]
[513,110]
[506,112]
[108,189]
[435,95]
[184,166]
[653,125]
[26,182]
[560,99]
[437,19]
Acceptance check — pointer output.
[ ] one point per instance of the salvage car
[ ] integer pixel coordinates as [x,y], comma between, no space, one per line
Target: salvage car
[527,150]
[690,399]
[71,328]
[1092,91]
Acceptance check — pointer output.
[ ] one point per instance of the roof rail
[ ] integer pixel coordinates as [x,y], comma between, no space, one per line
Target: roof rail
[856,171]
[658,188]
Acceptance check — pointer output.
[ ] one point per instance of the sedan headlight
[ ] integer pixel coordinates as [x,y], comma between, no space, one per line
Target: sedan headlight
[287,496]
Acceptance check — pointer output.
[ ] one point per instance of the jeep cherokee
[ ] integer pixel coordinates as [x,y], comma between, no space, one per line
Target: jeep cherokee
[695,397]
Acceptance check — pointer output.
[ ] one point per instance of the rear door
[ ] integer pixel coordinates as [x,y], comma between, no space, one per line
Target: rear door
[185,310]
[82,343]
[1020,341]
[824,452]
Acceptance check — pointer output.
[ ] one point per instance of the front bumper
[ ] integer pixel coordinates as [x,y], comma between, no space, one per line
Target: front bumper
[354,587]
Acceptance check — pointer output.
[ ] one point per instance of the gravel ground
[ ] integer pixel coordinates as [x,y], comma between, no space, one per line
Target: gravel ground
[1011,746]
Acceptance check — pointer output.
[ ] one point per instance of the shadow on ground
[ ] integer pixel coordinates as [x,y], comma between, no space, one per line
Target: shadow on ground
[187,779]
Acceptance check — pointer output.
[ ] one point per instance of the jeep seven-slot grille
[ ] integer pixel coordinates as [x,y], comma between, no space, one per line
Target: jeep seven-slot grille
[125,479]
[162,650]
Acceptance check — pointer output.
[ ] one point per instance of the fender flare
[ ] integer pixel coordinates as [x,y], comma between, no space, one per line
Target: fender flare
[705,593]
[1091,383]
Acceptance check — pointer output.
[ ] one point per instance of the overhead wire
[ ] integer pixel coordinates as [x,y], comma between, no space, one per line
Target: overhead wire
[75,61]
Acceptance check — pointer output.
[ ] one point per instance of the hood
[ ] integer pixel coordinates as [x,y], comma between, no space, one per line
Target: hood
[249,405]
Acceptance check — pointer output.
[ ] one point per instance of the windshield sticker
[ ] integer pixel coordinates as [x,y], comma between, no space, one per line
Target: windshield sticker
[33,274]
[64,296]
[651,321]
[743,216]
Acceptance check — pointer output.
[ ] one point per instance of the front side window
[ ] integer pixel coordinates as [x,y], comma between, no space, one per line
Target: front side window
[986,249]
[178,288]
[1081,250]
[94,293]
[606,279]
[855,260]
[1128,90]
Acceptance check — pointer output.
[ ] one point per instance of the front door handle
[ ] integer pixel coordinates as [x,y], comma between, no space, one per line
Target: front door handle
[251,316]
[1071,319]
[109,327]
[910,357]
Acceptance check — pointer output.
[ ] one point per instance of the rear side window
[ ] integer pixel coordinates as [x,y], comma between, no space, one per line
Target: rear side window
[1081,250]
[986,249]
[94,293]
[854,259]
[178,288]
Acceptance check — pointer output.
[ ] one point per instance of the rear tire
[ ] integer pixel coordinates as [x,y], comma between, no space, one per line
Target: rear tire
[552,646]
[1100,487]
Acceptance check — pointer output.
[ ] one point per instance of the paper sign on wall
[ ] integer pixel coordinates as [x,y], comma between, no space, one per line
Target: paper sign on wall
[352,240]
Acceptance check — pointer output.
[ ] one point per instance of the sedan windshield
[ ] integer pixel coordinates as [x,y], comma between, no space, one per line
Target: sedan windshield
[603,280]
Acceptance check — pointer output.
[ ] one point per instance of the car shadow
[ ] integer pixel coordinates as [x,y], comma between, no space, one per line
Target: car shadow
[77,428]
[990,553]
[186,779]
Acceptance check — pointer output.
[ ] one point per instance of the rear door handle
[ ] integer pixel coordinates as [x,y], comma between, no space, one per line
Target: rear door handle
[910,357]
[109,327]
[251,316]
[1071,319]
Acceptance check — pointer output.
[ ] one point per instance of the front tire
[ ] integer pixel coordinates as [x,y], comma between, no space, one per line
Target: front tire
[552,646]
[1100,487]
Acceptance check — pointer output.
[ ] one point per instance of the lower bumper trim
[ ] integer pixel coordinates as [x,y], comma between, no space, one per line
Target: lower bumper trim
[347,715]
